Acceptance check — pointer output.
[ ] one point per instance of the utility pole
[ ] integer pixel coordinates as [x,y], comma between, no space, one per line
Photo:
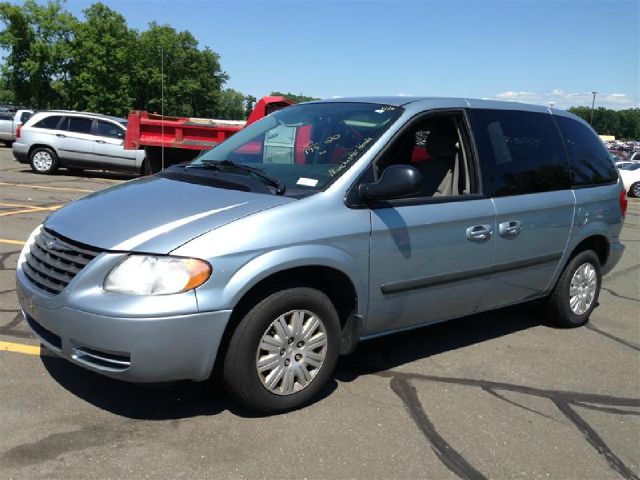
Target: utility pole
[593,104]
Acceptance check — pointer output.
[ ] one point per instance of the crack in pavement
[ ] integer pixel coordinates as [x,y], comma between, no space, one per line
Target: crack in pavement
[619,340]
[401,384]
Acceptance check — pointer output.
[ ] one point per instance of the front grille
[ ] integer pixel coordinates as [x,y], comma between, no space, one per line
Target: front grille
[53,261]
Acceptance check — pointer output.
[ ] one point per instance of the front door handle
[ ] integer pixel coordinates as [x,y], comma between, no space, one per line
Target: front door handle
[61,135]
[509,229]
[100,141]
[479,232]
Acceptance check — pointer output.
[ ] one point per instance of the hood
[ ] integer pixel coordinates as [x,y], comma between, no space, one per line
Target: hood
[154,214]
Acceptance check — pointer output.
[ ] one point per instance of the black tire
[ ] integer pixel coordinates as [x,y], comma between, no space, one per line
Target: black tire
[559,300]
[8,143]
[37,167]
[634,191]
[240,374]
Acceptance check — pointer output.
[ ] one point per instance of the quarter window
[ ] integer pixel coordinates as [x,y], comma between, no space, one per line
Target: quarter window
[590,161]
[520,152]
[48,122]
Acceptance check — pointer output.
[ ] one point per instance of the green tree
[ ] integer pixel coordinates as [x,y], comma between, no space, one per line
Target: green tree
[299,98]
[623,124]
[100,62]
[231,105]
[249,103]
[37,39]
[192,79]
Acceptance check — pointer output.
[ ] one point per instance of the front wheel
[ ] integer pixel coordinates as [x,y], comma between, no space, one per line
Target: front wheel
[284,351]
[634,191]
[576,293]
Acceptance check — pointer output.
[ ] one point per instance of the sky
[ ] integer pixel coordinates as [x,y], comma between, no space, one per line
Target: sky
[522,50]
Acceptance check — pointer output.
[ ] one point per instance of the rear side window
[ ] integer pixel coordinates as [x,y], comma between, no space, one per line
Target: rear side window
[6,116]
[48,122]
[590,160]
[520,152]
[25,116]
[107,129]
[78,125]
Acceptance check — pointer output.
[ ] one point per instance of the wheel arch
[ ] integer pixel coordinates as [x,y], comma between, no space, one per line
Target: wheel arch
[324,271]
[42,145]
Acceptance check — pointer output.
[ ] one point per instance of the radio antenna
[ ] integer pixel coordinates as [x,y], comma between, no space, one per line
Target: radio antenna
[162,104]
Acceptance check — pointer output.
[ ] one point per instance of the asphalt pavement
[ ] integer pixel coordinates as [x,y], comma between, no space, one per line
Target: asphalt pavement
[499,395]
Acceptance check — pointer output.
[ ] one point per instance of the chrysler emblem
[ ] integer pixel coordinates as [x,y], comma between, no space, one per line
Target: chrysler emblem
[53,244]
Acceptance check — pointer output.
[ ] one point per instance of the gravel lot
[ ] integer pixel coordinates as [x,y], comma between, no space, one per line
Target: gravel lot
[497,395]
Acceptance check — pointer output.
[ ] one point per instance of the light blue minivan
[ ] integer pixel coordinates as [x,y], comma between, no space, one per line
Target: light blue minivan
[324,224]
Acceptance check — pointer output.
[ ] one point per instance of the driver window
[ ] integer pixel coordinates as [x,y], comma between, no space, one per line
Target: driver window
[434,147]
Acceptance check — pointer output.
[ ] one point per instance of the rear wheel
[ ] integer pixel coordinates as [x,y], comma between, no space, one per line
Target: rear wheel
[284,351]
[634,191]
[576,293]
[43,160]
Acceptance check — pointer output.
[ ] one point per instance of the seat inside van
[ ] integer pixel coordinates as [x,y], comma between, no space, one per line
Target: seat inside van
[434,148]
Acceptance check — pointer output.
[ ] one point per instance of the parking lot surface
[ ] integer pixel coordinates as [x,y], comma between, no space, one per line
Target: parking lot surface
[497,395]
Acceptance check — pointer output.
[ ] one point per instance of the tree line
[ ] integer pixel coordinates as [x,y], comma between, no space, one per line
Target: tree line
[623,124]
[98,63]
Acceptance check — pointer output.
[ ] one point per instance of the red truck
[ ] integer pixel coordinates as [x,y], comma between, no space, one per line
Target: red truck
[170,140]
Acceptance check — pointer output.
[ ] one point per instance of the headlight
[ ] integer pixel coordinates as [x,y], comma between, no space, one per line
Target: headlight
[156,275]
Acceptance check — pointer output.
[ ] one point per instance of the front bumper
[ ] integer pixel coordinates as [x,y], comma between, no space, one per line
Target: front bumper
[147,349]
[20,152]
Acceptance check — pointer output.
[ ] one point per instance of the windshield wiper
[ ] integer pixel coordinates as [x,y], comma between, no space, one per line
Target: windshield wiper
[222,164]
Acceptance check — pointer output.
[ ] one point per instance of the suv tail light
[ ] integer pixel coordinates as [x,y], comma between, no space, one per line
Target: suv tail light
[623,202]
[18,130]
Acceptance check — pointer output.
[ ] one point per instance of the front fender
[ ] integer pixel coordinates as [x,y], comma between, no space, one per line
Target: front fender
[271,262]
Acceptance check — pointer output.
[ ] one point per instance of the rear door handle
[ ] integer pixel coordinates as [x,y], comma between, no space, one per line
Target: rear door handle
[61,135]
[479,232]
[100,141]
[509,229]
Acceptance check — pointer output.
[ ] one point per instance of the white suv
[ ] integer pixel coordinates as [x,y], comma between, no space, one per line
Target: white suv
[76,141]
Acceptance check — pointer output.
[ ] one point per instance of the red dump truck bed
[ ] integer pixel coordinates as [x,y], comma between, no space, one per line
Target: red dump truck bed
[170,140]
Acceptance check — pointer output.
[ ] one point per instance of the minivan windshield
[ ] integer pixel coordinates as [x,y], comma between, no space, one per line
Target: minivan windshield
[305,147]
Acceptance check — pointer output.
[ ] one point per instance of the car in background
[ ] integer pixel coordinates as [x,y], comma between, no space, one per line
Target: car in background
[630,174]
[634,157]
[617,156]
[76,141]
[10,120]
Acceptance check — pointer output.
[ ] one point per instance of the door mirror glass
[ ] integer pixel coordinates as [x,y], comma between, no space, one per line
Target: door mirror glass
[396,181]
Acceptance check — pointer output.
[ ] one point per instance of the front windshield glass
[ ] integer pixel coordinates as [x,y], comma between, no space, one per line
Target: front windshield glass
[306,146]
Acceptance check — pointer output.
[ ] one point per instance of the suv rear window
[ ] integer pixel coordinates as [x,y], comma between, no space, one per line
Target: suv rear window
[48,122]
[520,152]
[590,160]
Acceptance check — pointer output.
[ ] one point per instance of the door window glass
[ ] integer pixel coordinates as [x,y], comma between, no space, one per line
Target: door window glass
[107,129]
[434,147]
[79,125]
[48,122]
[519,152]
[590,161]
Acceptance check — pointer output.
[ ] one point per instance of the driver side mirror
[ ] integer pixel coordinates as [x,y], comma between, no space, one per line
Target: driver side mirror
[396,181]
